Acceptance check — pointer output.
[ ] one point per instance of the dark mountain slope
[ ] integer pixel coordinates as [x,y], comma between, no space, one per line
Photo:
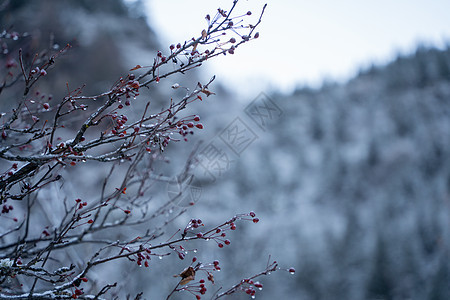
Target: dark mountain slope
[352,183]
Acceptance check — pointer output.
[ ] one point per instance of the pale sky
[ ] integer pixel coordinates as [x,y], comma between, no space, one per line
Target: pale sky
[304,41]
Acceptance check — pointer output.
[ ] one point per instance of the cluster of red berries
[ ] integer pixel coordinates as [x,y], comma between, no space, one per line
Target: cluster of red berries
[162,57]
[7,208]
[254,218]
[193,224]
[120,122]
[196,223]
[219,234]
[129,88]
[80,203]
[185,126]
[199,288]
[78,292]
[248,286]
[180,250]
[216,265]
[143,258]
[202,288]
[172,47]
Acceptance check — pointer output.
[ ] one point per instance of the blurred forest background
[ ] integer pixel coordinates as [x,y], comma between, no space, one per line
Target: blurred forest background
[351,181]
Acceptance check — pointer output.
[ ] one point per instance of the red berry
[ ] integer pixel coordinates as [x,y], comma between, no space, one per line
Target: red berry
[190,124]
[199,235]
[256,35]
[220,245]
[172,47]
[46,105]
[252,214]
[134,84]
[291,270]
[232,40]
[196,118]
[84,279]
[255,220]
[178,46]
[199,126]
[227,242]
